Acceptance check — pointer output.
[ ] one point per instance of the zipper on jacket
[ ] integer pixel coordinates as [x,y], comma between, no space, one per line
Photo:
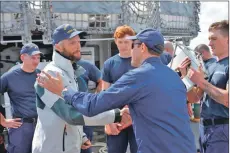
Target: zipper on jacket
[63,139]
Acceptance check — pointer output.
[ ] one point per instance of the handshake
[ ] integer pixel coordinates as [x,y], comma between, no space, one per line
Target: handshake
[116,128]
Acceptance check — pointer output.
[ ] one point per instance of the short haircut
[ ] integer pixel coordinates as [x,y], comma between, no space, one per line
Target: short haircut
[152,52]
[223,26]
[121,31]
[202,47]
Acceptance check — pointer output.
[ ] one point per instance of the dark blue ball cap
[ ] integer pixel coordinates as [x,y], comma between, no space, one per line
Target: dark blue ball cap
[63,32]
[152,38]
[30,49]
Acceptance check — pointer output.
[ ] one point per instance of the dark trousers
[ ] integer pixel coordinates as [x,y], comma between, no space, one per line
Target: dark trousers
[88,130]
[214,138]
[119,143]
[2,146]
[20,139]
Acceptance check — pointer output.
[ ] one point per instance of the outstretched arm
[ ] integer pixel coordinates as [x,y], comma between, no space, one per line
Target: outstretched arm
[68,113]
[126,90]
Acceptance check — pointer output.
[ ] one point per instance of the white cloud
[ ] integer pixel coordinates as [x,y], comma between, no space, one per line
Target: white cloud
[210,12]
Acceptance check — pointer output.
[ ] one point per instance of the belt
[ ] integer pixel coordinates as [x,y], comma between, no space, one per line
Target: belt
[28,120]
[207,122]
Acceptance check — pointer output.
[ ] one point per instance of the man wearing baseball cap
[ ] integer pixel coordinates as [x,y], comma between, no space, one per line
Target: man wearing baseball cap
[56,130]
[155,94]
[19,84]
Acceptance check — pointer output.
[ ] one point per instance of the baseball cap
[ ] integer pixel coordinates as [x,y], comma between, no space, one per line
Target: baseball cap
[30,49]
[63,32]
[152,38]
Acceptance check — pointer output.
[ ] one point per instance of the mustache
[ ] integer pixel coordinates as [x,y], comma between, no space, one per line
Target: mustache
[76,51]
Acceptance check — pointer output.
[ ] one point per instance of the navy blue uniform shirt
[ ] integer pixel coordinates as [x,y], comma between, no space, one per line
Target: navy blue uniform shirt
[115,67]
[92,73]
[156,97]
[218,76]
[20,87]
[165,58]
[208,63]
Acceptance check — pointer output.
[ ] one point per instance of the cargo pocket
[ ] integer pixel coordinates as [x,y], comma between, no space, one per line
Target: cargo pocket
[16,136]
[10,148]
[226,131]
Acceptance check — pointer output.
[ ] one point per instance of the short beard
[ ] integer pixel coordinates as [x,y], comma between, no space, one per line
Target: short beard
[70,57]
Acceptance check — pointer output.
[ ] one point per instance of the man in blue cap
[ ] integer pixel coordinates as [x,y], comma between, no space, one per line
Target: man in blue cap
[157,104]
[57,130]
[19,84]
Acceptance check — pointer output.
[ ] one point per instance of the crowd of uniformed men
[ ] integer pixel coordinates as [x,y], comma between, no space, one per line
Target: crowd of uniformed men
[139,99]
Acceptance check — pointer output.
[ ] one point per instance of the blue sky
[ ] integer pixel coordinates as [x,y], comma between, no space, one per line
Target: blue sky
[210,12]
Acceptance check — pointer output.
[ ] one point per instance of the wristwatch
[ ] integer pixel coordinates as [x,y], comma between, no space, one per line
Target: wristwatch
[117,116]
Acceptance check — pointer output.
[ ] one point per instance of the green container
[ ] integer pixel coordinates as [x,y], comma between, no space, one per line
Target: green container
[196,110]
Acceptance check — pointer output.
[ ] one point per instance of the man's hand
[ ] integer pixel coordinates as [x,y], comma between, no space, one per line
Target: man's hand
[112,129]
[54,85]
[183,66]
[126,119]
[190,111]
[11,123]
[86,145]
[196,76]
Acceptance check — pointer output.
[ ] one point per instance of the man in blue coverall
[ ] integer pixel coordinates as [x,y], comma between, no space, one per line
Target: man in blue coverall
[157,104]
[19,84]
[214,93]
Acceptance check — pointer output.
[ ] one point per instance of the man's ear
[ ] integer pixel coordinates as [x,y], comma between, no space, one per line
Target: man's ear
[22,57]
[58,46]
[143,48]
[115,41]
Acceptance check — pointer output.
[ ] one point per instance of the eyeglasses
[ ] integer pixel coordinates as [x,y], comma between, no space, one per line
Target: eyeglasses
[133,44]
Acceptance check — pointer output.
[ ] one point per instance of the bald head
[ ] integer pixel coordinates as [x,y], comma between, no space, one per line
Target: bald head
[168,47]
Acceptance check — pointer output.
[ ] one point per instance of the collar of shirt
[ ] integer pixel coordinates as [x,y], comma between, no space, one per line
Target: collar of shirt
[152,60]
[63,63]
[210,59]
[226,58]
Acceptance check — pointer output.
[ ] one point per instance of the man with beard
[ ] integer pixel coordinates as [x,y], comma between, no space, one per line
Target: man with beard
[57,130]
